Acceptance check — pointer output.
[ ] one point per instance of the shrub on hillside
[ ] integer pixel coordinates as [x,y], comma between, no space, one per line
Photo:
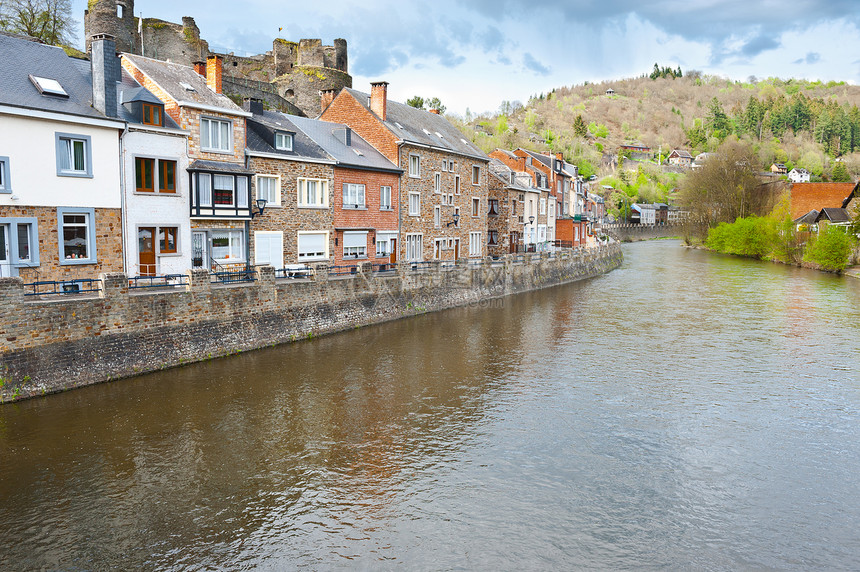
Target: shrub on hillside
[830,249]
[751,236]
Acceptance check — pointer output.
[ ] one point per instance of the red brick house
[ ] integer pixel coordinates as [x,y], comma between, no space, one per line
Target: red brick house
[444,186]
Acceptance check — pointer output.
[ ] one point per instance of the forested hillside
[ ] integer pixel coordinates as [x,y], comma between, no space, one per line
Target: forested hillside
[796,122]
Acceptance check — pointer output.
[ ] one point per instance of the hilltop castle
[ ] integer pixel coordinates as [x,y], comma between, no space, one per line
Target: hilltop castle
[289,77]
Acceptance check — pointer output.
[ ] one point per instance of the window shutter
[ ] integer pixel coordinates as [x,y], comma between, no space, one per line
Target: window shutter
[353,239]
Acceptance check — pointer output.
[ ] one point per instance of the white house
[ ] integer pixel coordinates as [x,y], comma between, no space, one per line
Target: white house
[60,199]
[798,175]
[156,221]
[647,213]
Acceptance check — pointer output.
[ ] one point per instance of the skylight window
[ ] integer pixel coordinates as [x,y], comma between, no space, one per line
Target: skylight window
[439,135]
[48,86]
[357,152]
[186,86]
[425,132]
[398,125]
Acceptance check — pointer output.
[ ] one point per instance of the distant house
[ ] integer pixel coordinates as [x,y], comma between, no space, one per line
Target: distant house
[661,213]
[798,176]
[833,216]
[681,158]
[643,214]
[778,169]
[610,91]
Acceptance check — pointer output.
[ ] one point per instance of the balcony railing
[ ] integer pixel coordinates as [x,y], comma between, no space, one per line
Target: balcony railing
[62,287]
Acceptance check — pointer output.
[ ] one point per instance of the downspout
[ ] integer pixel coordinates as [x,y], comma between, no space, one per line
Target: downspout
[122,208]
[250,209]
[400,241]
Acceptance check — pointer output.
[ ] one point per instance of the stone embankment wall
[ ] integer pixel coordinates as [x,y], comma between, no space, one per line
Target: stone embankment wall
[50,345]
[636,232]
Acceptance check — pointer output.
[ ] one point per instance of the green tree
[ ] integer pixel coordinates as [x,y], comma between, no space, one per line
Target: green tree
[416,102]
[840,173]
[49,21]
[435,103]
[830,249]
[579,127]
[718,122]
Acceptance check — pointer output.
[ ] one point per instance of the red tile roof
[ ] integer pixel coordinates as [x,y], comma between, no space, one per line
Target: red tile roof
[808,196]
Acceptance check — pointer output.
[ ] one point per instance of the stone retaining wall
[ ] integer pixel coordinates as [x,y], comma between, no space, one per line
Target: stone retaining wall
[50,345]
[635,232]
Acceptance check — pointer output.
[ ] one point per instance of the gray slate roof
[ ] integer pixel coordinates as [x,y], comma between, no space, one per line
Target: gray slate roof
[414,125]
[21,58]
[169,76]
[833,215]
[261,135]
[330,137]
[808,218]
[503,173]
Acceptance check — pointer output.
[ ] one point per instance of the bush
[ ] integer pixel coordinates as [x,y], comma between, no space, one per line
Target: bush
[752,236]
[831,249]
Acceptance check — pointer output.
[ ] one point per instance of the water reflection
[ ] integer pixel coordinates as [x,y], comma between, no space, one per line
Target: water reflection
[684,411]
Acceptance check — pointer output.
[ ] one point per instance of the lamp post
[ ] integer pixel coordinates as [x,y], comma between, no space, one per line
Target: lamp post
[261,206]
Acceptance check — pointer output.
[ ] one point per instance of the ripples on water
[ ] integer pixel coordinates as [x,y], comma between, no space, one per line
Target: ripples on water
[684,411]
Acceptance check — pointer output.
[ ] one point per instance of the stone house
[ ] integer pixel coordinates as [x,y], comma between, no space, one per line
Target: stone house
[444,187]
[219,204]
[505,221]
[60,197]
[680,158]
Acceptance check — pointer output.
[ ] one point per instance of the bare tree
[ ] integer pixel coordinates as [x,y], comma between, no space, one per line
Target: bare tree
[49,21]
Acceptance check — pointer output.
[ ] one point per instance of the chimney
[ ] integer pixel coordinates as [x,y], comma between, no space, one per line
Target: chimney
[213,72]
[106,74]
[434,111]
[253,105]
[559,156]
[200,67]
[379,98]
[326,97]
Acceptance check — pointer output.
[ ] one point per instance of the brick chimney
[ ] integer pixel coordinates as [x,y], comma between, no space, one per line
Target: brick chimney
[379,98]
[559,156]
[213,72]
[326,97]
[106,73]
[434,111]
[200,67]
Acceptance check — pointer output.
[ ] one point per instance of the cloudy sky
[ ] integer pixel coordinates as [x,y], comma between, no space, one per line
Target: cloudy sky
[476,53]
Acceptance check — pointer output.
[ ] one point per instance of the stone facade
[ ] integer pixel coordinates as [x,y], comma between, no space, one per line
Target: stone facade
[288,217]
[52,345]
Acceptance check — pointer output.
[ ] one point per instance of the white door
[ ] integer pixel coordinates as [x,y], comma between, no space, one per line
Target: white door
[199,252]
[269,248]
[5,262]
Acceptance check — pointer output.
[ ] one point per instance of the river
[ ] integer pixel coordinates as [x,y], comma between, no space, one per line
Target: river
[688,410]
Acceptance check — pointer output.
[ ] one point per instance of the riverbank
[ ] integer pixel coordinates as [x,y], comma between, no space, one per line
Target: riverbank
[852,271]
[54,344]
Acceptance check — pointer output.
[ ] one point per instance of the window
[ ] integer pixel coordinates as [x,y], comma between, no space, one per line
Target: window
[204,189]
[385,198]
[283,141]
[268,188]
[513,207]
[476,206]
[474,244]
[444,164]
[215,135]
[48,86]
[223,189]
[144,175]
[269,248]
[5,185]
[353,196]
[414,166]
[77,232]
[355,245]
[152,114]
[437,216]
[413,247]
[312,246]
[166,176]
[543,206]
[383,243]
[437,183]
[456,184]
[313,193]
[167,240]
[493,205]
[450,199]
[493,237]
[228,245]
[414,204]
[73,155]
[476,175]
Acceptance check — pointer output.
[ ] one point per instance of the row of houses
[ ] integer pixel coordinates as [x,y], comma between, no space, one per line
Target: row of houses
[127,163]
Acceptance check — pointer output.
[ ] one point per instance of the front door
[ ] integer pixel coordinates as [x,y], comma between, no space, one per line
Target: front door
[146,250]
[5,262]
[515,240]
[393,257]
[456,249]
[198,249]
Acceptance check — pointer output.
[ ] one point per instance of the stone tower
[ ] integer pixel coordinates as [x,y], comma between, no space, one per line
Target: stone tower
[115,18]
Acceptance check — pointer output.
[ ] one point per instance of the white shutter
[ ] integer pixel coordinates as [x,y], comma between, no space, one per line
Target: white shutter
[312,245]
[353,239]
[269,248]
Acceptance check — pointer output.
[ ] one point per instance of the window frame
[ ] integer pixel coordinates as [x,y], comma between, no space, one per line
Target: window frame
[475,241]
[361,252]
[354,187]
[158,175]
[60,140]
[382,193]
[456,184]
[162,176]
[316,257]
[476,175]
[492,237]
[140,175]
[5,178]
[323,193]
[162,251]
[417,210]
[492,207]
[476,207]
[242,255]
[437,182]
[92,250]
[209,148]
[413,241]
[416,172]
[437,216]
[152,107]
[14,224]
[276,189]
[286,137]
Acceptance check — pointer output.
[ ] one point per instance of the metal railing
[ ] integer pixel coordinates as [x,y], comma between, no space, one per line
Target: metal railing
[295,272]
[62,287]
[384,267]
[343,270]
[163,281]
[420,265]
[233,277]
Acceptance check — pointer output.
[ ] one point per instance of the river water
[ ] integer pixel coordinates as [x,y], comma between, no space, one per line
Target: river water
[687,410]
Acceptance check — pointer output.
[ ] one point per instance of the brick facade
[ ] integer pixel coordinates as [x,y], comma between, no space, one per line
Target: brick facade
[345,109]
[371,218]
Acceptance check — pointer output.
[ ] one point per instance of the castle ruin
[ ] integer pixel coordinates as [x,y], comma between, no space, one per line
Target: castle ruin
[289,77]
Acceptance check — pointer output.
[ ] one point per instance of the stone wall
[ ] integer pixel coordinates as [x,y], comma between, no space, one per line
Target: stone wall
[635,232]
[50,345]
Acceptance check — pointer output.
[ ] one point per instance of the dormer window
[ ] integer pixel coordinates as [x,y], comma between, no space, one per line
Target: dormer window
[283,141]
[152,114]
[48,86]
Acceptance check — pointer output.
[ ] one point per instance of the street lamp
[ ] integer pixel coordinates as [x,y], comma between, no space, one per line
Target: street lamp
[456,217]
[261,205]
